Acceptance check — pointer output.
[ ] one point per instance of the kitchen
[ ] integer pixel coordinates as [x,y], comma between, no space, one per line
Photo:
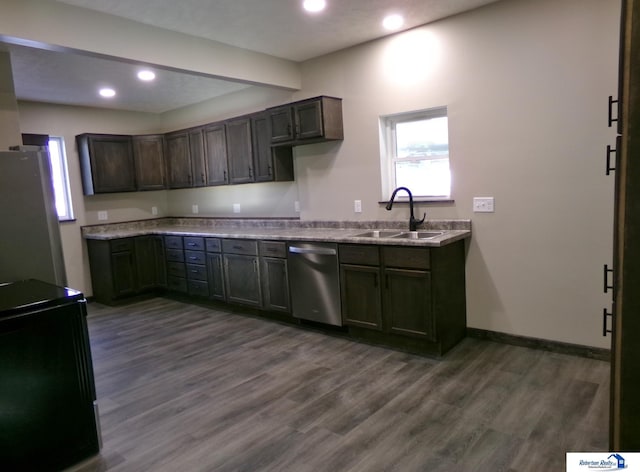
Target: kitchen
[525,84]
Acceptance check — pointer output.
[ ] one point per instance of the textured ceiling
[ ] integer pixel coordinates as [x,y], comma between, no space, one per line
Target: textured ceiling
[275,27]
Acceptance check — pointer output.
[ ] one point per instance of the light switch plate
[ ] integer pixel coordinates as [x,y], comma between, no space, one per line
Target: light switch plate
[103,216]
[154,210]
[194,209]
[483,205]
[296,206]
[236,208]
[357,206]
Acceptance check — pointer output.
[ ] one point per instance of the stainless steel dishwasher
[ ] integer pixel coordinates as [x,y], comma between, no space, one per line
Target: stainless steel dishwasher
[314,282]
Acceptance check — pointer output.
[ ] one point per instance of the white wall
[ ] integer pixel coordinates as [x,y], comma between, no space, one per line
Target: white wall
[525,83]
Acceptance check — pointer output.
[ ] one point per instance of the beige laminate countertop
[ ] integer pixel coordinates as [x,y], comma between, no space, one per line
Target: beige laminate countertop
[282,230]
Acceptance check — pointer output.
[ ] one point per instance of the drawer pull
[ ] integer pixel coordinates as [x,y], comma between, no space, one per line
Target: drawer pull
[606,278]
[605,314]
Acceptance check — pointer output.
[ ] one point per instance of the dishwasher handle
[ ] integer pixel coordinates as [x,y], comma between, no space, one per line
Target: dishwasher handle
[315,250]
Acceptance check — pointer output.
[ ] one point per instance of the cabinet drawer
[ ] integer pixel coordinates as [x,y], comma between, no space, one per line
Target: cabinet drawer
[196,272]
[406,257]
[174,255]
[195,257]
[177,284]
[121,245]
[176,269]
[213,245]
[173,242]
[198,288]
[193,243]
[359,254]
[273,249]
[240,246]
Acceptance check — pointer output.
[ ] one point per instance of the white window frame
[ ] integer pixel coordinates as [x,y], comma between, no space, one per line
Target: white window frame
[60,176]
[388,148]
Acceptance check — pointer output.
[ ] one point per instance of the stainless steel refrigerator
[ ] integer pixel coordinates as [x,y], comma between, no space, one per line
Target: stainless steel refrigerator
[30,243]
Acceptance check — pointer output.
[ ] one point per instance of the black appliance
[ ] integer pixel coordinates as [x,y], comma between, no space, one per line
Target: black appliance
[48,419]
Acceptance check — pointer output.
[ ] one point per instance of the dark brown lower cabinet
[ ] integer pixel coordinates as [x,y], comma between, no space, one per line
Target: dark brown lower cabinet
[412,298]
[215,277]
[242,279]
[361,296]
[407,303]
[275,284]
[124,267]
[150,264]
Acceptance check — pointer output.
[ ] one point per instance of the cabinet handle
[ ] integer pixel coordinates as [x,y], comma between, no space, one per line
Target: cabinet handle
[191,244]
[255,266]
[224,175]
[609,152]
[202,177]
[605,314]
[237,247]
[606,278]
[611,118]
[250,172]
[269,170]
[193,258]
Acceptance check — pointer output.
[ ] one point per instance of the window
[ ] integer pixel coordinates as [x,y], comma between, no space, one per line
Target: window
[415,153]
[58,159]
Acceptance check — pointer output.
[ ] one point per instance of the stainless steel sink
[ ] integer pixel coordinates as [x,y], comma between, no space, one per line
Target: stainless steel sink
[379,234]
[418,234]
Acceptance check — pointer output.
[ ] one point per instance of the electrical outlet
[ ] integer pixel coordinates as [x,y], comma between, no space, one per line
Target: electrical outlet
[103,215]
[194,209]
[357,206]
[236,208]
[154,210]
[296,206]
[483,205]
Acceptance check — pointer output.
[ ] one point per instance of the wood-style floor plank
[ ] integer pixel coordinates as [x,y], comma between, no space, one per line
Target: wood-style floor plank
[192,388]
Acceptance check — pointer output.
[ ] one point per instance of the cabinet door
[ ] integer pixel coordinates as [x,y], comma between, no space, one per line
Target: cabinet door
[145,262]
[216,276]
[110,166]
[148,153]
[407,303]
[281,124]
[196,154]
[309,122]
[239,151]
[262,156]
[123,272]
[242,279]
[159,259]
[150,265]
[215,151]
[275,284]
[178,160]
[361,296]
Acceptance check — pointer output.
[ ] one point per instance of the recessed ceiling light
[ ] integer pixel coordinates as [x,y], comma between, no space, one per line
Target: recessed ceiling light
[393,22]
[107,92]
[314,6]
[146,75]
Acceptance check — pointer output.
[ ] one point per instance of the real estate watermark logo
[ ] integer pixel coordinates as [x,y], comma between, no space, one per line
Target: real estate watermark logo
[601,461]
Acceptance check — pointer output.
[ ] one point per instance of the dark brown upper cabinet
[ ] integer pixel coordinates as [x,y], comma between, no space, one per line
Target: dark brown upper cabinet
[270,163]
[307,121]
[215,151]
[186,159]
[239,150]
[148,156]
[106,163]
[178,160]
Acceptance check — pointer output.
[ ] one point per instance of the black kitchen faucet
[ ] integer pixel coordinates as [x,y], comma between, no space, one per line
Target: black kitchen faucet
[413,223]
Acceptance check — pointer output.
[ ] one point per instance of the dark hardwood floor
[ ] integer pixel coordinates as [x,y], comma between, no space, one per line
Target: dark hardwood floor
[189,388]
